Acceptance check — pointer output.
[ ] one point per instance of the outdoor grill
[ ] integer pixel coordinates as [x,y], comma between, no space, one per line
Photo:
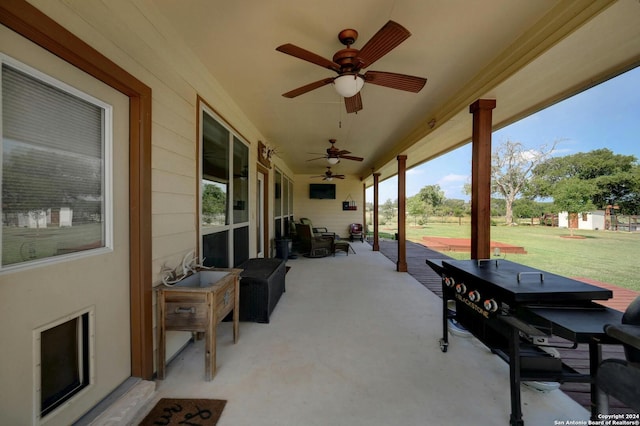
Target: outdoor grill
[514,310]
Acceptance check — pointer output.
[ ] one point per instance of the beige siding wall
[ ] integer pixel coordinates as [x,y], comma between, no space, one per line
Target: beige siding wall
[139,39]
[329,213]
[135,36]
[38,297]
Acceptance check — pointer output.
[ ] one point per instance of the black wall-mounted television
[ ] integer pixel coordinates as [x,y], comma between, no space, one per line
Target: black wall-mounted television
[326,191]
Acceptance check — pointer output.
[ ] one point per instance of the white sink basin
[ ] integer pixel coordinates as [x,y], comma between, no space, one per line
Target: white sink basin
[203,279]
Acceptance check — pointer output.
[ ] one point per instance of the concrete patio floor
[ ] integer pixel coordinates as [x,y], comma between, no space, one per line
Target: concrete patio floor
[353,342]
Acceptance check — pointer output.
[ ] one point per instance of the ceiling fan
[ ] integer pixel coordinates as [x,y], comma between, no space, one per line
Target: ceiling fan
[334,154]
[328,175]
[348,63]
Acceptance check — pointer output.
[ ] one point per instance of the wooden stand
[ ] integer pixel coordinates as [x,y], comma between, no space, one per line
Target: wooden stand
[198,309]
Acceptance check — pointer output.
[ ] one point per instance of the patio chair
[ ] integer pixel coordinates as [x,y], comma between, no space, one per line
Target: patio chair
[295,239]
[318,230]
[355,231]
[616,377]
[311,245]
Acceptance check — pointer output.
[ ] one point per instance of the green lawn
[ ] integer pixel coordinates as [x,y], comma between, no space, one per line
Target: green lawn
[26,244]
[606,256]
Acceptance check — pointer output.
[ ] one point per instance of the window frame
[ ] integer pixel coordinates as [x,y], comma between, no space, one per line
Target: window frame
[286,205]
[230,225]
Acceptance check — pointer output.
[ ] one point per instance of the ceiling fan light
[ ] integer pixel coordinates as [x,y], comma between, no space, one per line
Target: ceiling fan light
[348,85]
[328,179]
[333,160]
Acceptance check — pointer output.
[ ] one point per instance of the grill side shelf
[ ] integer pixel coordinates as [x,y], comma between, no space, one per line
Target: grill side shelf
[538,366]
[521,326]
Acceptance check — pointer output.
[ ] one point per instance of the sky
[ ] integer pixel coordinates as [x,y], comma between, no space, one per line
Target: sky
[605,116]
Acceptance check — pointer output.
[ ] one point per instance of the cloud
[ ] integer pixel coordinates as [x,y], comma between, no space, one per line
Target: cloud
[529,155]
[452,178]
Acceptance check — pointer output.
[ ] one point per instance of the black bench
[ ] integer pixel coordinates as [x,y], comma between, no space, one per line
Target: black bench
[262,282]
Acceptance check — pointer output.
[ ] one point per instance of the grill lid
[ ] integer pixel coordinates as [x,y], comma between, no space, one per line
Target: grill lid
[513,282]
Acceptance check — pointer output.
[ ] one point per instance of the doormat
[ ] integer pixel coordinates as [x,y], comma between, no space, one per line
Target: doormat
[174,412]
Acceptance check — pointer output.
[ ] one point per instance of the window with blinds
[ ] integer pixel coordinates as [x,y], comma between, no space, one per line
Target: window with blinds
[53,168]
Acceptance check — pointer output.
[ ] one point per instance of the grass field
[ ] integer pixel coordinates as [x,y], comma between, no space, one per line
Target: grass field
[606,256]
[26,244]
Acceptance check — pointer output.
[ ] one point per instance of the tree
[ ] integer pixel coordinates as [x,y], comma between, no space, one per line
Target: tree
[214,204]
[524,207]
[621,188]
[432,196]
[573,195]
[498,207]
[456,208]
[511,168]
[614,178]
[388,209]
[417,208]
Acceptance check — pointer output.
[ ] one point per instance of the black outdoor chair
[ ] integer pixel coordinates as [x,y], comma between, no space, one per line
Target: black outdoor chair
[311,245]
[318,230]
[621,378]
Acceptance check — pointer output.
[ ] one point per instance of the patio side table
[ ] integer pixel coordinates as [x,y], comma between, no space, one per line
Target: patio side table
[342,245]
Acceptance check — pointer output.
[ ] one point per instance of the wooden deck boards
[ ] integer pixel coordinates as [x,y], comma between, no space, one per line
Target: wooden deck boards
[464,245]
[621,299]
[576,358]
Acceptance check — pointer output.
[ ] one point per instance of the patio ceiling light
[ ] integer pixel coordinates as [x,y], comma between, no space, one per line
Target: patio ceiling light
[348,85]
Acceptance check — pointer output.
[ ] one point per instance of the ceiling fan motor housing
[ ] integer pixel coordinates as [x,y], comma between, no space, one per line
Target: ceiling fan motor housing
[348,60]
[348,36]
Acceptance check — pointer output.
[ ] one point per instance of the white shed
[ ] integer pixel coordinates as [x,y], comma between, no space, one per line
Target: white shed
[33,219]
[592,221]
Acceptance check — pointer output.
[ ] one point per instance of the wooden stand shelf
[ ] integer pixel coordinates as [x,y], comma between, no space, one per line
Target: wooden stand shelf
[198,309]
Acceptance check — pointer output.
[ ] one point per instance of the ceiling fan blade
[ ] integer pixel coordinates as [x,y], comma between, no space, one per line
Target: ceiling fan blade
[309,87]
[319,158]
[343,152]
[383,42]
[338,176]
[305,55]
[354,103]
[409,83]
[349,157]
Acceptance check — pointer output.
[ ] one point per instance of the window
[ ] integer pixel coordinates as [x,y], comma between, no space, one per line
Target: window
[224,194]
[283,208]
[54,140]
[215,174]
[277,207]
